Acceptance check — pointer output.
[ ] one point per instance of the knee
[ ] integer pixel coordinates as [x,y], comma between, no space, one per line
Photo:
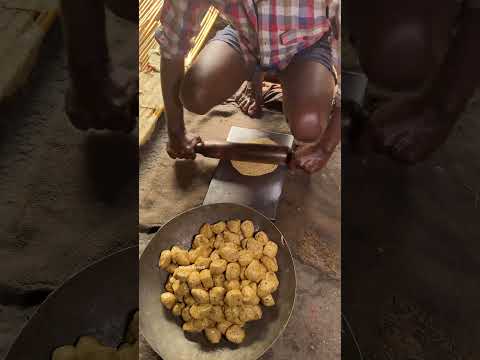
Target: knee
[308,126]
[194,95]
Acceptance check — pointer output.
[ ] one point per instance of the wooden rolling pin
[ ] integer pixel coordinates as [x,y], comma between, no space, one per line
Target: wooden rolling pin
[259,153]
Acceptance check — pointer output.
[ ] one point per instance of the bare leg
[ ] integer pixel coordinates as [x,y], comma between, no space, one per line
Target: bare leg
[97,97]
[308,89]
[215,75]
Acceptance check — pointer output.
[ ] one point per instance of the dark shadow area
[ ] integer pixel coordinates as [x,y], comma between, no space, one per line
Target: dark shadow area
[112,164]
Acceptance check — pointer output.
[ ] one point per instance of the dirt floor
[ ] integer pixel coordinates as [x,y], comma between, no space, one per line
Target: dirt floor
[66,197]
[308,216]
[410,249]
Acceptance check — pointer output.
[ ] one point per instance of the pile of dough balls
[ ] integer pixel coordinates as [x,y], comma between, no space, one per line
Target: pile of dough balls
[219,284]
[88,348]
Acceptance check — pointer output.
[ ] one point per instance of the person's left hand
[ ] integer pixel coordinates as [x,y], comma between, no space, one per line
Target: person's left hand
[410,129]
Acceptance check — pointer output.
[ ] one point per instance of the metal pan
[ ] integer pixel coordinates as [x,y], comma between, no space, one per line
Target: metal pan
[97,301]
[163,331]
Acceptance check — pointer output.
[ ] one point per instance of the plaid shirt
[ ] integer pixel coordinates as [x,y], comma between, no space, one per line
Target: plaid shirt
[271,31]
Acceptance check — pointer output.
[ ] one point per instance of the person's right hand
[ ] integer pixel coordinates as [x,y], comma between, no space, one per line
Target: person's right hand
[183,147]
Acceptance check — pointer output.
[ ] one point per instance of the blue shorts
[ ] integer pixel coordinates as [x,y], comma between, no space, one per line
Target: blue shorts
[320,52]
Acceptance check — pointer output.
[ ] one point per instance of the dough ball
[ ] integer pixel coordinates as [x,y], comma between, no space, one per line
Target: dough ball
[262,237]
[189,327]
[218,266]
[168,300]
[194,280]
[258,312]
[230,237]
[201,324]
[213,335]
[200,240]
[218,280]
[206,279]
[177,309]
[89,348]
[171,268]
[232,285]
[216,313]
[234,226]
[201,296]
[247,228]
[180,257]
[216,295]
[206,230]
[202,262]
[223,326]
[186,314]
[267,285]
[270,249]
[244,283]
[233,298]
[204,251]
[188,299]
[269,263]
[249,296]
[65,353]
[245,257]
[219,227]
[182,272]
[165,259]
[255,271]
[268,300]
[242,272]
[193,254]
[232,272]
[229,253]
[180,289]
[219,241]
[200,311]
[215,255]
[235,334]
[232,313]
[255,248]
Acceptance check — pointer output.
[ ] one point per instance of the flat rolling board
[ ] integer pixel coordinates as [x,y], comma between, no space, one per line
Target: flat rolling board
[259,192]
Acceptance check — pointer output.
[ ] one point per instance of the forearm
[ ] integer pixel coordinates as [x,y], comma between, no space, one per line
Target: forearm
[172,74]
[85,42]
[459,75]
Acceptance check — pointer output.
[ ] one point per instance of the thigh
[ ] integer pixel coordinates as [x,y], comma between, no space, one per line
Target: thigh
[215,75]
[308,90]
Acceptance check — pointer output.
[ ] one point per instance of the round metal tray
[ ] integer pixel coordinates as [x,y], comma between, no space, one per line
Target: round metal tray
[98,301]
[163,331]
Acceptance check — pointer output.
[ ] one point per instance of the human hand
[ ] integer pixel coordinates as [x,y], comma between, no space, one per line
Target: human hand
[183,147]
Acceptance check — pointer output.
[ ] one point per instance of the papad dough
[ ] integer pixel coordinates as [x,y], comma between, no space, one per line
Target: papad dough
[255,169]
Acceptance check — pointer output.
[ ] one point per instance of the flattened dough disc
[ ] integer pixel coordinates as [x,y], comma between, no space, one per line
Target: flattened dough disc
[255,169]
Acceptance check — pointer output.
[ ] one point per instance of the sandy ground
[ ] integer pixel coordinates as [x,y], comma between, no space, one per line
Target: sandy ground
[410,248]
[66,197]
[308,216]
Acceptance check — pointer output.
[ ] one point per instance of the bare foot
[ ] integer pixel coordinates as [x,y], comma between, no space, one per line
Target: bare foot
[250,97]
